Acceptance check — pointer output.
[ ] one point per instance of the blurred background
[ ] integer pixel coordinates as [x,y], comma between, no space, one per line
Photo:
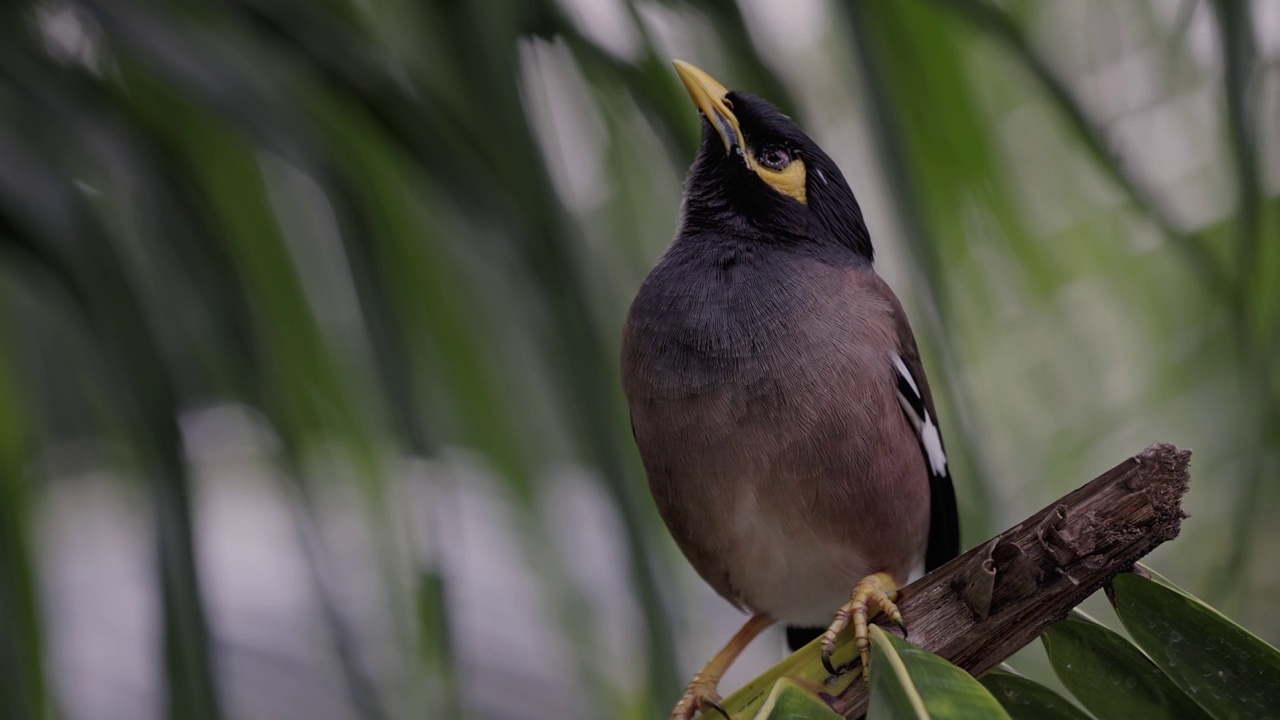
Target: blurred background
[310,313]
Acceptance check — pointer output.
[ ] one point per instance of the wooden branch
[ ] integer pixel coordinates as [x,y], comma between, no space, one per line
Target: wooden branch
[980,608]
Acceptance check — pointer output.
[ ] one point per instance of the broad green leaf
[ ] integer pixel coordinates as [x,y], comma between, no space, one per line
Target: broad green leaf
[790,701]
[907,682]
[1111,677]
[1026,699]
[804,666]
[1228,670]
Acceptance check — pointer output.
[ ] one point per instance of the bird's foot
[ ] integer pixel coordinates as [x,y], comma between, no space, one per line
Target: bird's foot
[701,695]
[876,591]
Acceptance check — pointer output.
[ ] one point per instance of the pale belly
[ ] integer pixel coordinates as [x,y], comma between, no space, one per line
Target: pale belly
[787,571]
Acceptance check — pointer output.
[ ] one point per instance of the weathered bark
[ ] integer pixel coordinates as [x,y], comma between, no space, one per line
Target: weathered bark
[980,608]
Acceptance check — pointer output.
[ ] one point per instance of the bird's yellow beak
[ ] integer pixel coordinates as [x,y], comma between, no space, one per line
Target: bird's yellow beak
[709,96]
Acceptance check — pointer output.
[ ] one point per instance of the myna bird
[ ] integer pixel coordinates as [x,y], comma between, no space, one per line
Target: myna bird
[777,395]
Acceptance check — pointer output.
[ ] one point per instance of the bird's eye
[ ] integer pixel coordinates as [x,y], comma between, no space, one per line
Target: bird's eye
[774,157]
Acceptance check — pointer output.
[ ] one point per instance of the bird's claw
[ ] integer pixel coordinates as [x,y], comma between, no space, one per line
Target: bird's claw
[879,589]
[826,657]
[700,696]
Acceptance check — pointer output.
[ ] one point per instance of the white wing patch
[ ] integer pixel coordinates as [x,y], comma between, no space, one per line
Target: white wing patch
[930,438]
[906,375]
[933,445]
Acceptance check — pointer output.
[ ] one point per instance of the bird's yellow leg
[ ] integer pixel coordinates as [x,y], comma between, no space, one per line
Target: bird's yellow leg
[876,591]
[701,694]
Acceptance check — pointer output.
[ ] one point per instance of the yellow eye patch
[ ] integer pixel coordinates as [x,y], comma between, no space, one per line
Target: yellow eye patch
[789,181]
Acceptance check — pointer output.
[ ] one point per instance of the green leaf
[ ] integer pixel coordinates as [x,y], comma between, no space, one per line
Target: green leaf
[21,645]
[805,666]
[1229,671]
[907,682]
[1111,677]
[790,701]
[436,645]
[1026,699]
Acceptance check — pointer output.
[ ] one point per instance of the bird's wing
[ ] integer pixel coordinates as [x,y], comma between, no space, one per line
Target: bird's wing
[917,404]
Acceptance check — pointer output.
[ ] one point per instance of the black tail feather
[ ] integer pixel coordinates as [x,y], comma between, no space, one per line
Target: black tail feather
[798,637]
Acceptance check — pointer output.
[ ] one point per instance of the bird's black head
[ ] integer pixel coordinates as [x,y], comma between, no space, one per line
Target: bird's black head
[759,176]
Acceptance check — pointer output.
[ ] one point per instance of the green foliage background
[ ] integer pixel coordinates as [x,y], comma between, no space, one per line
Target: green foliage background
[370,260]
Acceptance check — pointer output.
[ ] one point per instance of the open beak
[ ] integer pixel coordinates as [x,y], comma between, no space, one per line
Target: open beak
[709,96]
